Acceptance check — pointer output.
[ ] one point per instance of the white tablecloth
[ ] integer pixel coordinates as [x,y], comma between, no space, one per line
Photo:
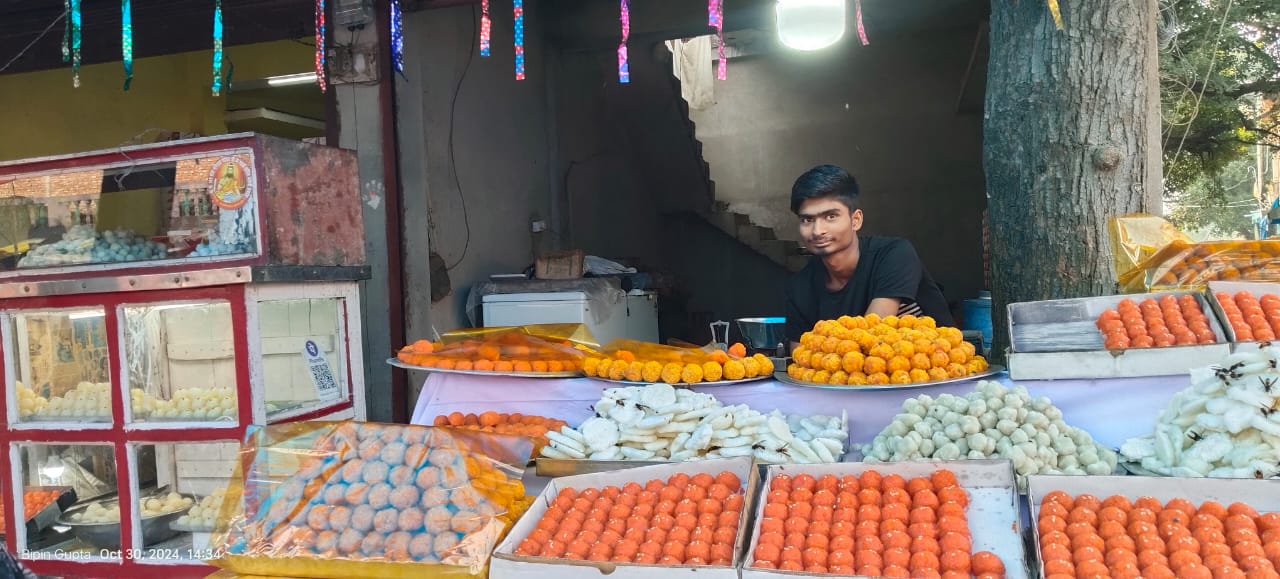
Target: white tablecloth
[1111,410]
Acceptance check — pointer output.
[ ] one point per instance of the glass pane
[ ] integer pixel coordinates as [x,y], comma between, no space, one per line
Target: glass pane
[303,353]
[181,486]
[72,475]
[180,362]
[60,367]
[187,208]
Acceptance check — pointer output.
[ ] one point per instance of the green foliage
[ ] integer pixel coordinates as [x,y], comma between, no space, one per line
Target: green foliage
[1217,205]
[1218,59]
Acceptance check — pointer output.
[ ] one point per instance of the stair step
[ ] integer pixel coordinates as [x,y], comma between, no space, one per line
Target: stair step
[725,221]
[748,234]
[775,249]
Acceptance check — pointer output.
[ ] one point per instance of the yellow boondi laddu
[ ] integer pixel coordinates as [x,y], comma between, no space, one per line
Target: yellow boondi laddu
[858,350]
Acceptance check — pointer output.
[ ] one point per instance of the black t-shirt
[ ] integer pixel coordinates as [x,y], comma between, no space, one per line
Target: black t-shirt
[888,267]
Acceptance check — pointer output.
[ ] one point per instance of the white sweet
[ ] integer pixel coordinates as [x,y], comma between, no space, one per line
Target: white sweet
[991,421]
[1226,424]
[658,422]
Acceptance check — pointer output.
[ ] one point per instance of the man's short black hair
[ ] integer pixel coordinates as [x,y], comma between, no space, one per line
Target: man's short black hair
[825,181]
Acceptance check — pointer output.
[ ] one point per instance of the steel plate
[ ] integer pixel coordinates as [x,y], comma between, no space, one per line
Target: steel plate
[570,374]
[990,371]
[686,384]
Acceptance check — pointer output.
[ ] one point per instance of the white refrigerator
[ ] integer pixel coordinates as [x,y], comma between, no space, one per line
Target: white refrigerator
[634,317]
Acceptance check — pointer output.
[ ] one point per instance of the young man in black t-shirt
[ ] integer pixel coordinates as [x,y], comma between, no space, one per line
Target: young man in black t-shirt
[850,274]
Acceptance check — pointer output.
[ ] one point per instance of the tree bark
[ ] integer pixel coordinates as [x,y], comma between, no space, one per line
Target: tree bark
[1066,144]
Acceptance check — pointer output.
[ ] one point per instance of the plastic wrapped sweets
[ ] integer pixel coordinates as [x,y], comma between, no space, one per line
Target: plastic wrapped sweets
[349,499]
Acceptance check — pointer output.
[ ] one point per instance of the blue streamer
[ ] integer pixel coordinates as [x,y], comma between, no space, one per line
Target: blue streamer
[75,42]
[126,40]
[217,47]
[397,37]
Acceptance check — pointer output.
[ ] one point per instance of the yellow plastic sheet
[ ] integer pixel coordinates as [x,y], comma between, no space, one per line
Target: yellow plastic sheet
[363,500]
[1191,266]
[535,348]
[1135,239]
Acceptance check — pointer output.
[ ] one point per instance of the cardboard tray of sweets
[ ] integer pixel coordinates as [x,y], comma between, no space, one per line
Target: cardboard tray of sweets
[505,564]
[1257,289]
[993,510]
[1262,495]
[1057,339]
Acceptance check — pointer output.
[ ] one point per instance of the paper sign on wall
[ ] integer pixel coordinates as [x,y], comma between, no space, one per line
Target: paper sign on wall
[321,376]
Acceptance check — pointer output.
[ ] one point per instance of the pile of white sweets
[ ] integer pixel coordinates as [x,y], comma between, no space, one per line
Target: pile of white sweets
[1225,425]
[661,423]
[991,422]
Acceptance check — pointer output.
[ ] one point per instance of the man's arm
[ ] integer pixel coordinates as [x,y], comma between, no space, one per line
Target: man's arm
[884,307]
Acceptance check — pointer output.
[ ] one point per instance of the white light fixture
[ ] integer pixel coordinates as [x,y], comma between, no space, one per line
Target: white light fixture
[810,24]
[85,315]
[53,468]
[292,79]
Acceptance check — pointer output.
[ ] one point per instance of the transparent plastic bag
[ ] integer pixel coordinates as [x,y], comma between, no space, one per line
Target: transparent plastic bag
[535,348]
[1191,266]
[1135,238]
[357,500]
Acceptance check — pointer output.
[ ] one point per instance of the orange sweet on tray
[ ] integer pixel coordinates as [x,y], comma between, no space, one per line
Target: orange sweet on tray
[1171,321]
[499,352]
[869,350]
[1174,539]
[630,524]
[885,526]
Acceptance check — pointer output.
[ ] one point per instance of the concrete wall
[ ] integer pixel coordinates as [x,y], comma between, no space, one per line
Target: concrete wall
[887,113]
[493,176]
[635,191]
[169,93]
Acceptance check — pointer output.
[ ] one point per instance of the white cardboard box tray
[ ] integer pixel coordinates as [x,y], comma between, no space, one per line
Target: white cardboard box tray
[1262,495]
[993,506]
[505,564]
[1257,289]
[1057,339]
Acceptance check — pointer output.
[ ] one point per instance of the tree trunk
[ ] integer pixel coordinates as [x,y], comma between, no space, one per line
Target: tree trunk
[1065,144]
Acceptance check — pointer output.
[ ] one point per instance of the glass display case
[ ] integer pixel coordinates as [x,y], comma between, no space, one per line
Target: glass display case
[147,318]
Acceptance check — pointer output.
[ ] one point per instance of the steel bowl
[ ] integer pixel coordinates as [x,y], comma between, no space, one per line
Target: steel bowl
[763,333]
[107,535]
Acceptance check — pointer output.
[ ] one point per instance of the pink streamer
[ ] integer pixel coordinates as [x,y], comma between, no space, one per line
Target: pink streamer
[857,15]
[624,15]
[715,19]
[485,27]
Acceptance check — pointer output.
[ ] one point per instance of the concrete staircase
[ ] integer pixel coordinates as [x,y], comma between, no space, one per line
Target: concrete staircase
[762,240]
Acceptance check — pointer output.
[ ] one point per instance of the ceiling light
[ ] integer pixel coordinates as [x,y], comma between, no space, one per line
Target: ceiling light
[810,24]
[292,79]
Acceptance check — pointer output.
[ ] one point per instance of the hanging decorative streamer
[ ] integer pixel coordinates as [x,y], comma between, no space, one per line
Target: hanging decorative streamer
[1056,11]
[397,37]
[624,69]
[320,50]
[217,47]
[126,40]
[517,7]
[485,25]
[75,43]
[66,31]
[715,19]
[857,17]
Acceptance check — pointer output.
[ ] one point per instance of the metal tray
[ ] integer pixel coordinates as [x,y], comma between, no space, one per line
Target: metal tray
[990,371]
[107,535]
[569,374]
[1067,325]
[687,384]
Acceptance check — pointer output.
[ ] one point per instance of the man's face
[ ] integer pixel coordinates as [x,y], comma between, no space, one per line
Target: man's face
[827,227]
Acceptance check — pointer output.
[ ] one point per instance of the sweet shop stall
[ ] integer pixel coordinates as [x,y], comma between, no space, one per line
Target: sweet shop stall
[155,302]
[1129,435]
